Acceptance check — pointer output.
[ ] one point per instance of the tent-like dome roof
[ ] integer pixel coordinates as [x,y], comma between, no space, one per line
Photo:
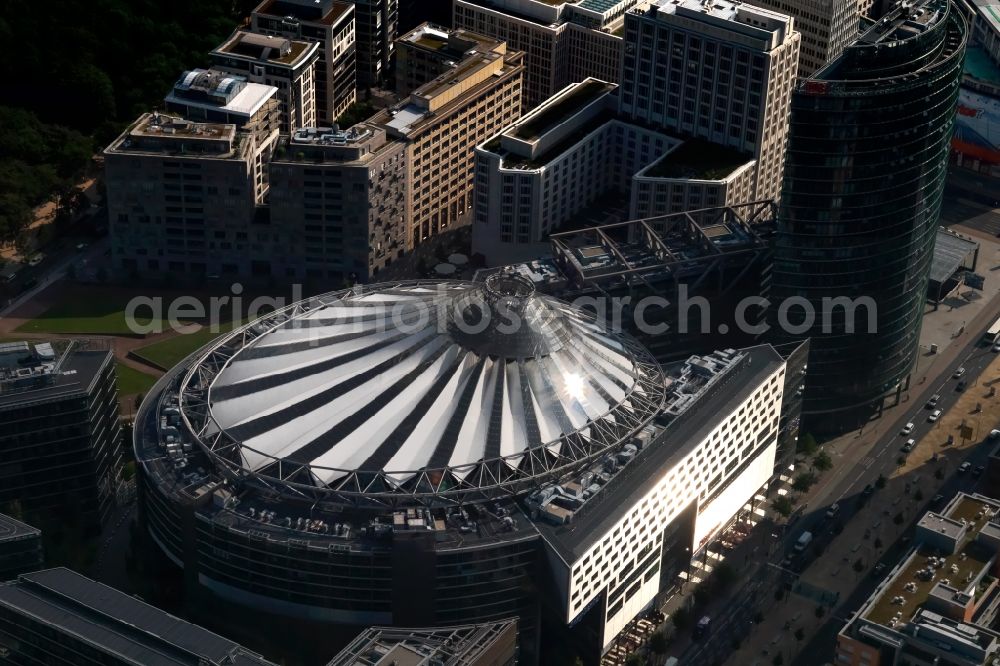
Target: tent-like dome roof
[424,388]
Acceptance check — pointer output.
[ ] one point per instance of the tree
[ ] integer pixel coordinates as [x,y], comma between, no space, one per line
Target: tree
[807,444]
[939,474]
[725,575]
[783,505]
[918,495]
[779,593]
[658,643]
[778,660]
[804,481]
[820,612]
[898,518]
[822,461]
[880,482]
[859,566]
[877,543]
[681,618]
[800,634]
[633,660]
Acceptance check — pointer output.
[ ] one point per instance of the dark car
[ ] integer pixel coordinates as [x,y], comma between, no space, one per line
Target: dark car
[961,385]
[869,489]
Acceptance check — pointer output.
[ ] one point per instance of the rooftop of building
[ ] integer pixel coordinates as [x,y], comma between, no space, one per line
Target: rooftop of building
[165,134]
[449,43]
[357,145]
[926,567]
[219,91]
[464,80]
[445,646]
[553,13]
[266,48]
[33,372]
[742,17]
[326,12]
[700,391]
[952,251]
[699,160]
[12,529]
[903,21]
[989,10]
[115,623]
[561,108]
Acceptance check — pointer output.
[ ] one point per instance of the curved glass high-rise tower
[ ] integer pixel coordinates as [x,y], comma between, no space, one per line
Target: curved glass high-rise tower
[865,170]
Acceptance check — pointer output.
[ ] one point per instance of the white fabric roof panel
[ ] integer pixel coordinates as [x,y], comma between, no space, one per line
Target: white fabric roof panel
[344,387]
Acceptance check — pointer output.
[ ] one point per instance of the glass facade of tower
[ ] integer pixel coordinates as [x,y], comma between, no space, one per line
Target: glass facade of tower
[867,158]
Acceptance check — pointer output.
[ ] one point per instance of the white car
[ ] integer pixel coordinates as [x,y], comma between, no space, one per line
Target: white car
[964,467]
[959,373]
[935,415]
[994,434]
[35,260]
[996,347]
[909,445]
[907,429]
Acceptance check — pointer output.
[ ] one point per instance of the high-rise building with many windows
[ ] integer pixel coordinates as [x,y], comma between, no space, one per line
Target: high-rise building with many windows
[867,159]
[721,72]
[288,65]
[377,26]
[563,43]
[332,25]
[60,437]
[827,26]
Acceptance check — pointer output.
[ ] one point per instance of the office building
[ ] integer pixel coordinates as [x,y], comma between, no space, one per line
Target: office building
[185,200]
[827,27]
[865,174]
[940,604]
[574,150]
[60,448]
[20,548]
[407,438]
[377,28]
[489,644]
[723,73]
[286,64]
[341,197]
[441,122]
[58,617]
[329,23]
[563,43]
[428,51]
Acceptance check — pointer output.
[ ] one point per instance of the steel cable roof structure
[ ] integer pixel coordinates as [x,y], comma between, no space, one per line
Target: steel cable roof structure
[418,393]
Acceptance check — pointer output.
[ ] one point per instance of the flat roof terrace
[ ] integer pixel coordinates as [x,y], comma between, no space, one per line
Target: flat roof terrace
[283,8]
[561,109]
[970,559]
[277,50]
[698,159]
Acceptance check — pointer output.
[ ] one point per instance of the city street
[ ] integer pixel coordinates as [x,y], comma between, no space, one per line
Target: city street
[860,458]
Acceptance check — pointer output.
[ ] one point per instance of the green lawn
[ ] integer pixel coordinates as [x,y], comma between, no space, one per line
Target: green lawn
[85,316]
[170,352]
[131,381]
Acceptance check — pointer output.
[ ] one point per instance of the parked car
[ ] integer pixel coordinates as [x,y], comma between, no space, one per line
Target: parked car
[935,415]
[994,434]
[833,510]
[964,467]
[978,471]
[932,403]
[907,429]
[909,445]
[959,373]
[868,491]
[961,385]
